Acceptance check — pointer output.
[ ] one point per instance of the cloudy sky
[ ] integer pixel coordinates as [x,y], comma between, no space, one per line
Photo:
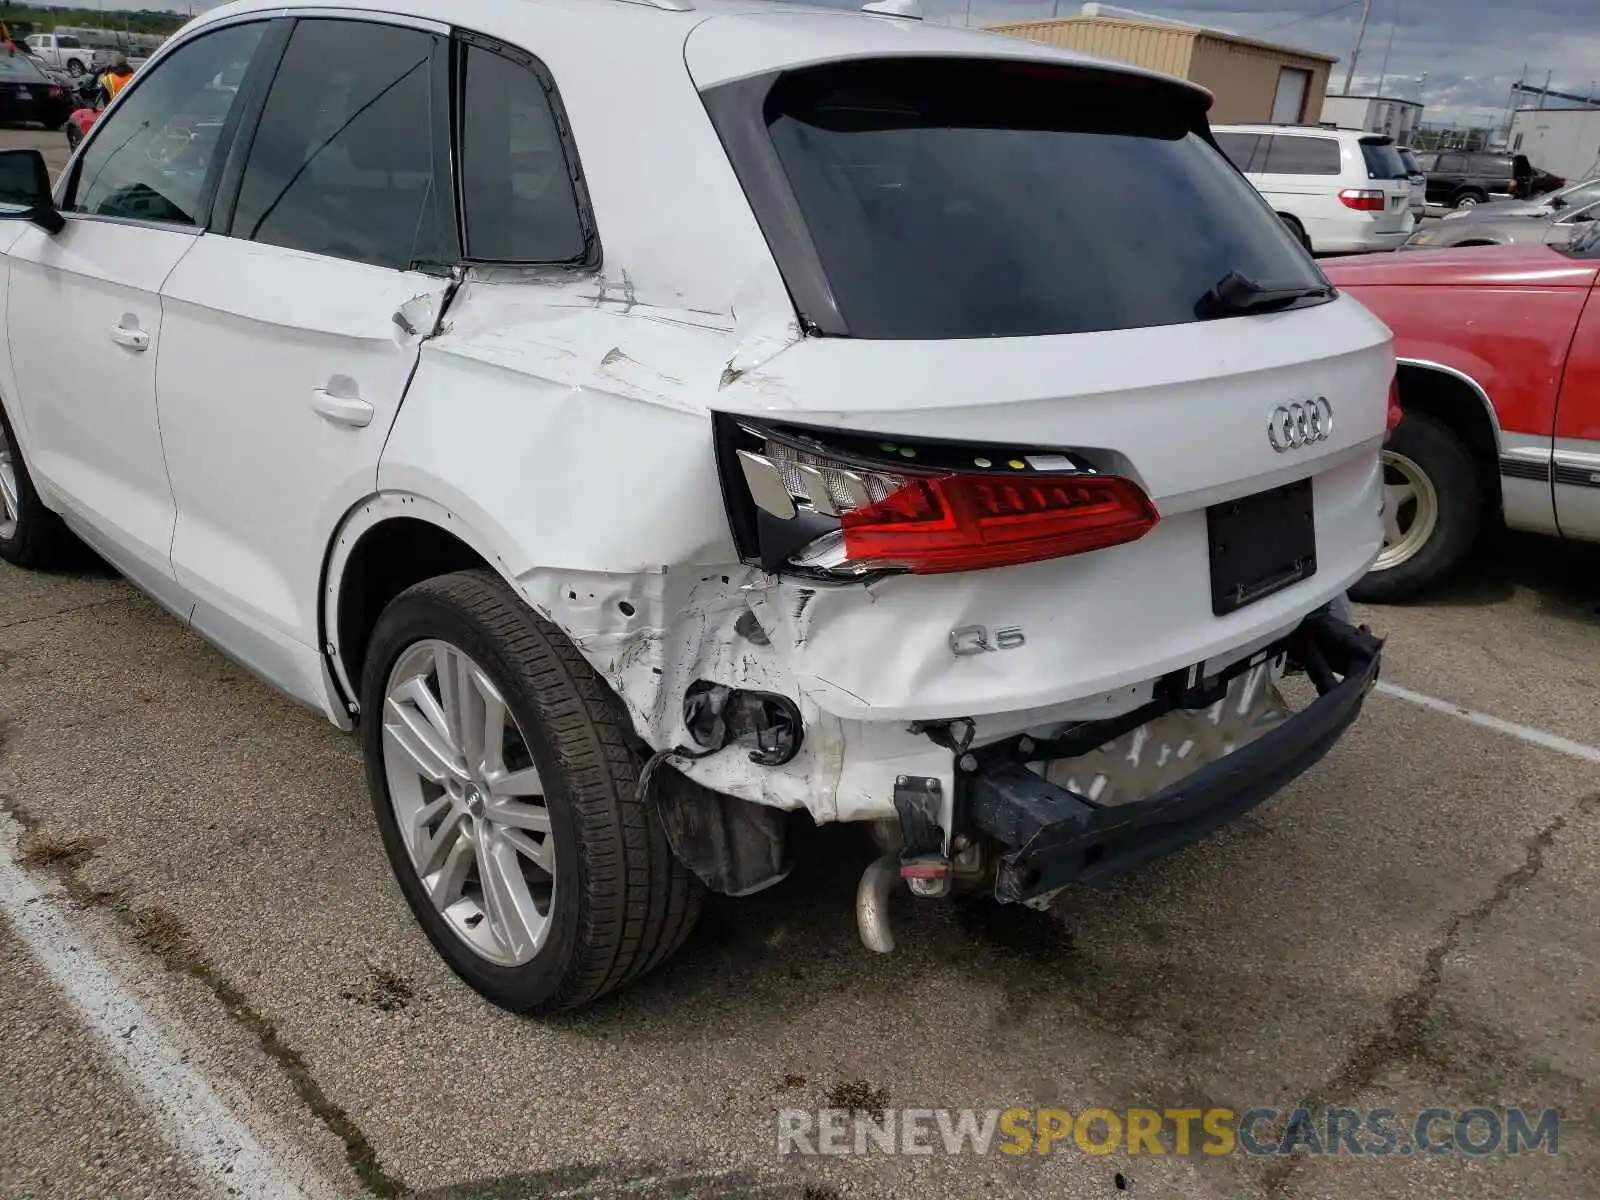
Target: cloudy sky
[1471,50]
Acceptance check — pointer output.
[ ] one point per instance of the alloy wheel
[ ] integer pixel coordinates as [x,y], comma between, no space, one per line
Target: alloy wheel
[469,802]
[10,504]
[1410,510]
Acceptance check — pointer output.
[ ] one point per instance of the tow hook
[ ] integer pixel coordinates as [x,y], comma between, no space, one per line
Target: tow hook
[918,859]
[872,903]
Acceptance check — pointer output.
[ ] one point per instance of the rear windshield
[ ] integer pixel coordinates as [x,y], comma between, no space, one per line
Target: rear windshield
[1383,160]
[19,66]
[960,199]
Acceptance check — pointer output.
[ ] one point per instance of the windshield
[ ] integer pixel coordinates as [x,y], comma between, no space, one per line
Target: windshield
[962,199]
[1584,242]
[1583,193]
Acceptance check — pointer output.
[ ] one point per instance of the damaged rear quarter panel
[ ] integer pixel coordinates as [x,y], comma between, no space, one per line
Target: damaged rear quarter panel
[567,427]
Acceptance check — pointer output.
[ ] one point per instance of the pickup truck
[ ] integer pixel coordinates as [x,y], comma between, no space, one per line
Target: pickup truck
[1499,381]
[62,51]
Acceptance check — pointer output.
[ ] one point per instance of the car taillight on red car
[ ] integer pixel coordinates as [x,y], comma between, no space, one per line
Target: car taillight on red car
[1363,199]
[1395,413]
[851,506]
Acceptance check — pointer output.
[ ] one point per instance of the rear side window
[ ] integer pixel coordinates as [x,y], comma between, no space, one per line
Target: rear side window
[1287,155]
[958,199]
[1241,148]
[1383,160]
[342,161]
[1409,160]
[519,194]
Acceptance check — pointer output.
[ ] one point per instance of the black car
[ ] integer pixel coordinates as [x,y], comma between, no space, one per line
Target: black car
[28,96]
[1463,178]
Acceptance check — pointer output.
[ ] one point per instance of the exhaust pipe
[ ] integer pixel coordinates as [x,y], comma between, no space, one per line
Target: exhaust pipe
[872,903]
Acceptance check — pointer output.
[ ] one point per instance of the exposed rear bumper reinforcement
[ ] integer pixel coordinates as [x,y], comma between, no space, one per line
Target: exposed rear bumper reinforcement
[1055,837]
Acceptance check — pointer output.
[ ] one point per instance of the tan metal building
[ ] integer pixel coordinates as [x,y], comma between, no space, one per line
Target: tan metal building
[1253,82]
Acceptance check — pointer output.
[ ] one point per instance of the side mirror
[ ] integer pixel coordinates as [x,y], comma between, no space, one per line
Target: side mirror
[25,191]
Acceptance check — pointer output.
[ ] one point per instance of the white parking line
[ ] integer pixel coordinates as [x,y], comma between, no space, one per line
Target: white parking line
[1525,733]
[214,1142]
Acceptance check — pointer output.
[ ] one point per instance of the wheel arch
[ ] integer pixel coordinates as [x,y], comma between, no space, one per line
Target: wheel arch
[1458,401]
[386,544]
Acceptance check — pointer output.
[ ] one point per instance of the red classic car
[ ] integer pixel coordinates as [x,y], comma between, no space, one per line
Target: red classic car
[1499,379]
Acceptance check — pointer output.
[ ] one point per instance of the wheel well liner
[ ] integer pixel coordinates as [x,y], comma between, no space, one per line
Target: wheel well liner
[395,554]
[1458,402]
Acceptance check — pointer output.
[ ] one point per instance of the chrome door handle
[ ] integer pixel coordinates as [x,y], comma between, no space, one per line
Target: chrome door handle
[133,339]
[342,410]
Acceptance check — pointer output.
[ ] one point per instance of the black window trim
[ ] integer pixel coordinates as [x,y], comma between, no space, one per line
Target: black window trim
[462,40]
[67,189]
[225,210]
[737,111]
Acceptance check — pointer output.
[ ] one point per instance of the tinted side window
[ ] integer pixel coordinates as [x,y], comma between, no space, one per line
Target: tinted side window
[1456,164]
[518,191]
[1287,155]
[153,157]
[1241,148]
[342,161]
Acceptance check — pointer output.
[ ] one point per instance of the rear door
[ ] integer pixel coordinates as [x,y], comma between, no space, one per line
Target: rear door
[1300,172]
[1447,178]
[293,328]
[1386,171]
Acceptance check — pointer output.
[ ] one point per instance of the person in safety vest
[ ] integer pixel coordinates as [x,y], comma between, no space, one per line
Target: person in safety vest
[115,78]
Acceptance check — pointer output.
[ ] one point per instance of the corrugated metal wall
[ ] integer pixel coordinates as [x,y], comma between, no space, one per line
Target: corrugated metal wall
[1244,80]
[1242,75]
[1159,47]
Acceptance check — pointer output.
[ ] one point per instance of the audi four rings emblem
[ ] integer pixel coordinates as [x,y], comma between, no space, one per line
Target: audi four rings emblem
[1300,423]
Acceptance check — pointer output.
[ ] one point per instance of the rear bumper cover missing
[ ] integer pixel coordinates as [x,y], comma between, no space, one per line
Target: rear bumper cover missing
[1055,837]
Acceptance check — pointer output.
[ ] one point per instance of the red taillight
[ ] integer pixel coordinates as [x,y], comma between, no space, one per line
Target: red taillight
[872,505]
[968,522]
[1363,199]
[57,92]
[1395,414]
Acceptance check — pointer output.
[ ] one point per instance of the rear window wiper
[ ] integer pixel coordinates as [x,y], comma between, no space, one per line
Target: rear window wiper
[1235,293]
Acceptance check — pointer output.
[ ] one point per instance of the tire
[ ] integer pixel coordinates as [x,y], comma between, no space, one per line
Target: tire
[1297,229]
[75,68]
[30,534]
[1419,550]
[1469,199]
[617,902]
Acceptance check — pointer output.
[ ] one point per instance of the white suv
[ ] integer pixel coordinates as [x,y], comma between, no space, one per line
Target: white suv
[781,414]
[1341,191]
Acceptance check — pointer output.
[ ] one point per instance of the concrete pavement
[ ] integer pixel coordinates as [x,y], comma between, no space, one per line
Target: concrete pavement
[1413,924]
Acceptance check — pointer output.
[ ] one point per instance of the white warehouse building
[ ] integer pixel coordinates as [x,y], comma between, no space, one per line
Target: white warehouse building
[1374,114]
[1563,141]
